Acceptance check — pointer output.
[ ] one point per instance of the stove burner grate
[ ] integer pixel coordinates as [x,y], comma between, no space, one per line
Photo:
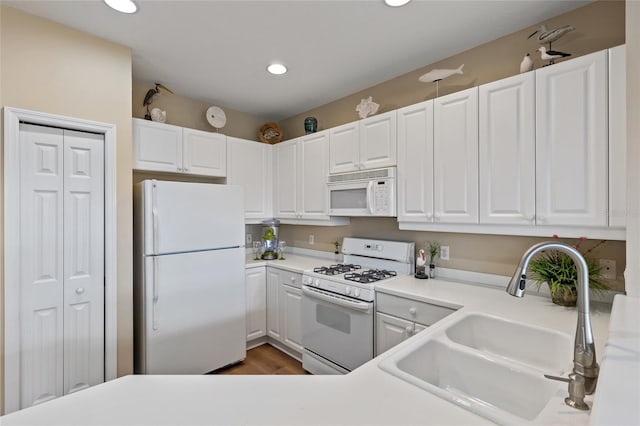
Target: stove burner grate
[340,268]
[369,276]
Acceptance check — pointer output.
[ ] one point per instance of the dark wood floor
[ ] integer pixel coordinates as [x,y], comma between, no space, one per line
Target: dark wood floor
[265,359]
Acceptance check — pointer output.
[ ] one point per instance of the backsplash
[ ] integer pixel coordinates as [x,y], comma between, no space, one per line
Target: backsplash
[491,254]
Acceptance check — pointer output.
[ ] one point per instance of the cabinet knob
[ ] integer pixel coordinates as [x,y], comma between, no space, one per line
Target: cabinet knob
[186,169]
[531,217]
[293,279]
[542,218]
[412,311]
[79,290]
[429,216]
[409,330]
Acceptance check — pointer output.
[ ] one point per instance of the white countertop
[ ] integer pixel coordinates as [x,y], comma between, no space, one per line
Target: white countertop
[367,396]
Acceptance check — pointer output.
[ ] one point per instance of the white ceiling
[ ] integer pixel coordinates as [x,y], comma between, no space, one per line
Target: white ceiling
[217,51]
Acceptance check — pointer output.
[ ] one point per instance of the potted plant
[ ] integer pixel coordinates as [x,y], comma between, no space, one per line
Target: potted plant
[434,251]
[557,270]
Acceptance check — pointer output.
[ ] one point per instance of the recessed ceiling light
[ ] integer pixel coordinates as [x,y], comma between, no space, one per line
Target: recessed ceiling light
[277,69]
[396,3]
[124,6]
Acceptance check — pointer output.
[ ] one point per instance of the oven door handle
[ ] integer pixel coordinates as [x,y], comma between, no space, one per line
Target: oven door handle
[340,301]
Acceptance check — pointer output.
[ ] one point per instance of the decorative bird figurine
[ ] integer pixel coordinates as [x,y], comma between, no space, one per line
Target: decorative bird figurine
[526,64]
[421,261]
[546,35]
[551,55]
[148,98]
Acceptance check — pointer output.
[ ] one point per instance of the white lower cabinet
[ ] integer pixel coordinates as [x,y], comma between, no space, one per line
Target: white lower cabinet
[273,303]
[398,318]
[292,316]
[391,331]
[256,302]
[284,307]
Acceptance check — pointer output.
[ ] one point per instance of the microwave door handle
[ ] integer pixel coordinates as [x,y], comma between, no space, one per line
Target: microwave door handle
[370,198]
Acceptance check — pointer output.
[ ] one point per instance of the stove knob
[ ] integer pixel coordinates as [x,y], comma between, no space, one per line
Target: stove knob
[356,292]
[306,280]
[347,291]
[316,282]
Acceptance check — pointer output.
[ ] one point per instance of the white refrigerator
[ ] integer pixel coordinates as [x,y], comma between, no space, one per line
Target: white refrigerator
[189,301]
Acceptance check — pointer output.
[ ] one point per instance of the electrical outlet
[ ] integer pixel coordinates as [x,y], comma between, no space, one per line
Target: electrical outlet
[444,252]
[312,239]
[608,268]
[249,238]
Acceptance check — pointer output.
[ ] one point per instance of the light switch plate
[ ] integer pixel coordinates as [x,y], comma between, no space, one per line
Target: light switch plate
[444,252]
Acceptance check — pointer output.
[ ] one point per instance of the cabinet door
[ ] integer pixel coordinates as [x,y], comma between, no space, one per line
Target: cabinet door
[204,153]
[378,141]
[507,151]
[249,164]
[292,316]
[273,304]
[571,142]
[256,300]
[455,157]
[415,163]
[344,152]
[391,331]
[285,185]
[313,193]
[157,146]
[617,137]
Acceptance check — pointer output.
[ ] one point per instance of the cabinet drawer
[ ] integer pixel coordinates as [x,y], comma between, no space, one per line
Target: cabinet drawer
[412,310]
[292,279]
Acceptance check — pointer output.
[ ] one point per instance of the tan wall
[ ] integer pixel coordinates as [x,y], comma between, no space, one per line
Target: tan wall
[52,68]
[633,147]
[599,25]
[189,112]
[492,254]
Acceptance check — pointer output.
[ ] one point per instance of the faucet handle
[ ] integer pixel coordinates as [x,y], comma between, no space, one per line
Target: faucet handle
[576,390]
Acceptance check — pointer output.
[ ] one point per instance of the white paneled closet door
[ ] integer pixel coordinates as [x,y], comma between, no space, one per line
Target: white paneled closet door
[62,262]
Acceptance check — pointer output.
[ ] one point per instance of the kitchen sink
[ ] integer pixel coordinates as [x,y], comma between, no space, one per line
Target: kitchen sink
[488,365]
[548,350]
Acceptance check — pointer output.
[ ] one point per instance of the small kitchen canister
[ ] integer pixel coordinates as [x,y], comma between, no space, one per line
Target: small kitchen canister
[310,125]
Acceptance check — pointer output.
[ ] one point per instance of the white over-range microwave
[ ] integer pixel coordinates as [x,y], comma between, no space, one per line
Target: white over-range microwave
[363,193]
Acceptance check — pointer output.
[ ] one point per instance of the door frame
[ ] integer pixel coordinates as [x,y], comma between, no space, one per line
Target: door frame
[12,119]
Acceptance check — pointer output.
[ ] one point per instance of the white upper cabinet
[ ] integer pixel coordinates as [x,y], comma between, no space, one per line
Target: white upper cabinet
[366,144]
[571,142]
[157,146]
[344,151]
[166,148]
[455,153]
[286,179]
[204,153]
[250,165]
[300,185]
[313,194]
[617,137]
[378,141]
[415,163]
[507,151]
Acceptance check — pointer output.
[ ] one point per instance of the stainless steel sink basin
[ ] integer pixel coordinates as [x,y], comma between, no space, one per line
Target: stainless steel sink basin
[488,365]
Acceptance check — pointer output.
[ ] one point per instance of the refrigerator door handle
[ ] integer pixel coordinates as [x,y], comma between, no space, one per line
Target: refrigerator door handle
[156,277]
[154,218]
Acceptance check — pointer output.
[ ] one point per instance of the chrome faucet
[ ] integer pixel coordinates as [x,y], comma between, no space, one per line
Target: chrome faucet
[585,368]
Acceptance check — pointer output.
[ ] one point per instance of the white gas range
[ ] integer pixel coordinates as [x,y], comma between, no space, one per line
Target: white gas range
[337,314]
